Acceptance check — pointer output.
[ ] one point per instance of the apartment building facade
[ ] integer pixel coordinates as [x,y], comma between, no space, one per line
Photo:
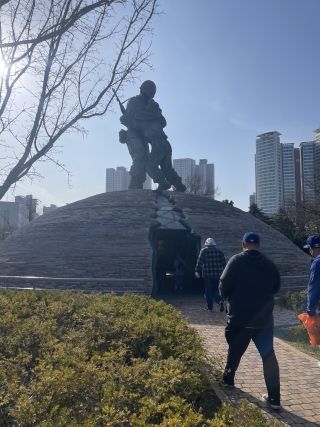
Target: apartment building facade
[15,214]
[118,179]
[198,178]
[286,175]
[268,171]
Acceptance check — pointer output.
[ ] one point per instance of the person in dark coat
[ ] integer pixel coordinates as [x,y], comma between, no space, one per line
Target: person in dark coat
[248,284]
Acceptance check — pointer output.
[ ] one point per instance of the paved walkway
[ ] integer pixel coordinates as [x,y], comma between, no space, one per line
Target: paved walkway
[300,373]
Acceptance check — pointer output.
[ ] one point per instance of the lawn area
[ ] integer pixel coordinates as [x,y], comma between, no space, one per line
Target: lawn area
[73,359]
[296,335]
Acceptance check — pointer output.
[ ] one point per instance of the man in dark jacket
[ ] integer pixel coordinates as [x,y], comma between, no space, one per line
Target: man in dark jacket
[249,283]
[210,264]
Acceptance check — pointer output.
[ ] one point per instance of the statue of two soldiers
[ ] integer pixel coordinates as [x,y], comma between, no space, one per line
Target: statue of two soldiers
[145,122]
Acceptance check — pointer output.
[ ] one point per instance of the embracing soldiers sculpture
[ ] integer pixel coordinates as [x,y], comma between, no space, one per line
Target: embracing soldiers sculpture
[145,122]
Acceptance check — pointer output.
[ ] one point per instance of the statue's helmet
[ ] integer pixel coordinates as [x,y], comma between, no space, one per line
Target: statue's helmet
[148,88]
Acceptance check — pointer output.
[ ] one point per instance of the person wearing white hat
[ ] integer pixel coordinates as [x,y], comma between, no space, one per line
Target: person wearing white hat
[210,265]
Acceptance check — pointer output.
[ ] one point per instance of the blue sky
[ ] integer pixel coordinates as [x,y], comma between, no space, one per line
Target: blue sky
[226,70]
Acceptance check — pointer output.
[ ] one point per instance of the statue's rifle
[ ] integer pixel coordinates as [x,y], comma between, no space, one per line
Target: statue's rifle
[122,108]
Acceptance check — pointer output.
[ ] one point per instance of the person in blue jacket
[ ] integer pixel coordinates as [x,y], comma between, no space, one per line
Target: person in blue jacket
[313,295]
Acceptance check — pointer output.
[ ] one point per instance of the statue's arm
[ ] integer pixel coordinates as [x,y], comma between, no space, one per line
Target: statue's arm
[151,112]
[127,119]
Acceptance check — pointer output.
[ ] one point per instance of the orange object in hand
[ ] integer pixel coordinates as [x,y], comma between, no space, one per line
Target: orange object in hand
[312,325]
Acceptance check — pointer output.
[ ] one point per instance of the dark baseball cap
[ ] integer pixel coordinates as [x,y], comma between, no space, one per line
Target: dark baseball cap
[313,242]
[251,237]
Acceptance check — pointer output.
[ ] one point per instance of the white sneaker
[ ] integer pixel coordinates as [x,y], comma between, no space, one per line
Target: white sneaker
[271,402]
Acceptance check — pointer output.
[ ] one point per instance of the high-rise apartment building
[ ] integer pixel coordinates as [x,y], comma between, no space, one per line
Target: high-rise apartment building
[118,180]
[205,171]
[184,168]
[30,203]
[18,213]
[307,168]
[252,199]
[198,178]
[268,166]
[288,175]
[317,162]
[297,173]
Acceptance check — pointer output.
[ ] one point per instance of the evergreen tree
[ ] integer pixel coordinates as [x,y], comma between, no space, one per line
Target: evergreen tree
[285,225]
[258,213]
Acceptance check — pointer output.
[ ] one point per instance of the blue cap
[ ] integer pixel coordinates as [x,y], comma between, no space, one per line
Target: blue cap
[251,237]
[313,242]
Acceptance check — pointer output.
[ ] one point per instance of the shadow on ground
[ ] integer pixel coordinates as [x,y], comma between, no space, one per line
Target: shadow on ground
[194,308]
[236,395]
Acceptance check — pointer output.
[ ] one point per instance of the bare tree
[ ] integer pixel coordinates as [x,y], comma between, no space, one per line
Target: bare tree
[196,185]
[59,61]
[308,210]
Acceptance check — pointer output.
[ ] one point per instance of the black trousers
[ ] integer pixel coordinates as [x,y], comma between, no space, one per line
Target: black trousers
[211,286]
[238,340]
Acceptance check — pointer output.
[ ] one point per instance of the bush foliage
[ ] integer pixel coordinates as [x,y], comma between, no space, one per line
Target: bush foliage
[70,359]
[294,301]
[246,415]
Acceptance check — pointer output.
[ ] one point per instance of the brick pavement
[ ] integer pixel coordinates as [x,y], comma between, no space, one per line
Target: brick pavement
[300,373]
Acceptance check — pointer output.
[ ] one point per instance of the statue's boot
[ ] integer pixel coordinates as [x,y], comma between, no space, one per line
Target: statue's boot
[135,184]
[179,186]
[163,186]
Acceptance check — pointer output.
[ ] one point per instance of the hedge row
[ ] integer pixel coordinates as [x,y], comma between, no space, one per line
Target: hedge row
[70,359]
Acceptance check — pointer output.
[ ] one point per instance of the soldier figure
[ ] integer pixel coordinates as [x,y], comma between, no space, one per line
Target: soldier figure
[145,122]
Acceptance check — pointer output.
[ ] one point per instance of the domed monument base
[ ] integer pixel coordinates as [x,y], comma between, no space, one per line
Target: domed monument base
[122,241]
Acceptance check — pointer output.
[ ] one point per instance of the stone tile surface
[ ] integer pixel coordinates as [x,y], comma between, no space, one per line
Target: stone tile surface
[300,373]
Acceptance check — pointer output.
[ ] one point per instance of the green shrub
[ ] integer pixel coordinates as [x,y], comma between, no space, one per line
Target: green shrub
[86,360]
[246,415]
[294,301]
[71,359]
[298,334]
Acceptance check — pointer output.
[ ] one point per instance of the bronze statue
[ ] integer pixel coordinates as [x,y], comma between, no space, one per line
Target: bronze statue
[145,122]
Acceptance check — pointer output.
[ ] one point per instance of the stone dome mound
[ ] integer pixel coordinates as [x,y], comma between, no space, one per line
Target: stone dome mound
[96,243]
[109,242]
[227,224]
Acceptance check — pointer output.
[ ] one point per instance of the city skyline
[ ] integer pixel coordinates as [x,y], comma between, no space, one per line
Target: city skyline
[286,176]
[233,77]
[199,178]
[186,166]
